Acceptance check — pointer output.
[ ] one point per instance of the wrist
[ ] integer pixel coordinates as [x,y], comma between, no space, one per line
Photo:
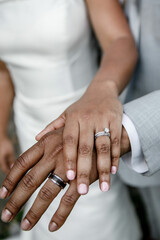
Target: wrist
[104,85]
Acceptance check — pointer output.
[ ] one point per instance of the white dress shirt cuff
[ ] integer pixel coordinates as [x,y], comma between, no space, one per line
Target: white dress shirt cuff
[134,159]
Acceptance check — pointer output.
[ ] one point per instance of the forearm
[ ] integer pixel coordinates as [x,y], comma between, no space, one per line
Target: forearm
[116,41]
[6,98]
[117,65]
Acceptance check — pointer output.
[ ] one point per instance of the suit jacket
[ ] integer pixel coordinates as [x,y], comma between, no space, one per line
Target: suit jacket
[145,111]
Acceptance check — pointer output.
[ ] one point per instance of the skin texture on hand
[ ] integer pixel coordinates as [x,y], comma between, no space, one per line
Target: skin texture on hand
[42,158]
[81,121]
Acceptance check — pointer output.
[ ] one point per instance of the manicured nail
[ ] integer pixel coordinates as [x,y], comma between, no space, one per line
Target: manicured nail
[6,215]
[37,135]
[3,192]
[71,175]
[104,186]
[113,170]
[25,225]
[82,189]
[53,227]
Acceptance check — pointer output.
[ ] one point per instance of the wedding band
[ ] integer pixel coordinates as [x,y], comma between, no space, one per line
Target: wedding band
[106,132]
[57,180]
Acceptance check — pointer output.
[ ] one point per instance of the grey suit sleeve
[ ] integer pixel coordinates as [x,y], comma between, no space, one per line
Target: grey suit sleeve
[145,114]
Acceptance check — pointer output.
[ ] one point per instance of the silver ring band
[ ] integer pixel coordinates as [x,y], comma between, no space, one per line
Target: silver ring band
[57,180]
[106,132]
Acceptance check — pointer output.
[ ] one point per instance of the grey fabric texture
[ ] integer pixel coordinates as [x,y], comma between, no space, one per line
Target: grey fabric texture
[145,114]
[145,111]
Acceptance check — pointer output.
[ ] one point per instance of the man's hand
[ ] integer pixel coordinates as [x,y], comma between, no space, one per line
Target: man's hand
[42,158]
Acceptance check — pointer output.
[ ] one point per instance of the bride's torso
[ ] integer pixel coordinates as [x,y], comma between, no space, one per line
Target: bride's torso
[47,45]
[48,48]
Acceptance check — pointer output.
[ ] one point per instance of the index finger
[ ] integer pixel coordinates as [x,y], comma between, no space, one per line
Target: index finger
[21,166]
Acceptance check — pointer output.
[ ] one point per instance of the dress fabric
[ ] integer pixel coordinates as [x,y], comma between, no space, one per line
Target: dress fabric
[50,53]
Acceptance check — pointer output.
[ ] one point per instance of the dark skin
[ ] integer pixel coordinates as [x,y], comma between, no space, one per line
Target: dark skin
[48,150]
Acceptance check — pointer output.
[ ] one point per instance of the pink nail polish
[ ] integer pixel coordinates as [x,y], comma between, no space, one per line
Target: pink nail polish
[25,225]
[113,170]
[3,192]
[82,189]
[53,227]
[71,174]
[104,187]
[6,215]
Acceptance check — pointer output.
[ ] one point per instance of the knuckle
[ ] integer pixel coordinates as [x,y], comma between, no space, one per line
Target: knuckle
[83,175]
[60,217]
[69,139]
[105,171]
[39,146]
[103,148]
[45,139]
[115,159]
[51,156]
[70,163]
[86,115]
[9,183]
[69,200]
[21,162]
[85,149]
[13,205]
[29,182]
[32,215]
[72,115]
[116,141]
[45,194]
[114,115]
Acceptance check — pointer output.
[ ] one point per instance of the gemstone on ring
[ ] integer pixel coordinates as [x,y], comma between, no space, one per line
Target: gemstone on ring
[106,132]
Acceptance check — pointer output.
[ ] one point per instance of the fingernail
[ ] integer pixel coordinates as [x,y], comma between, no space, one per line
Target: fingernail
[11,165]
[37,136]
[104,186]
[113,170]
[82,189]
[3,192]
[53,227]
[25,225]
[6,215]
[71,174]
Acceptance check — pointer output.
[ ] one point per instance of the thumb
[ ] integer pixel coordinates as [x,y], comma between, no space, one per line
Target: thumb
[56,124]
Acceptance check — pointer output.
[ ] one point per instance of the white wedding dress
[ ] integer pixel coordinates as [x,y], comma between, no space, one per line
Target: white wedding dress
[48,48]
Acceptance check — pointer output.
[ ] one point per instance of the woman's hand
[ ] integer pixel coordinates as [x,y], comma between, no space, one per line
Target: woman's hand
[42,158]
[98,109]
[7,157]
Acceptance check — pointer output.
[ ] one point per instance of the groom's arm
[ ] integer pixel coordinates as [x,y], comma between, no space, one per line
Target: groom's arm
[144,113]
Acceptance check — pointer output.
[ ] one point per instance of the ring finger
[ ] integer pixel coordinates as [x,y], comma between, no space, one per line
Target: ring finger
[44,198]
[102,144]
